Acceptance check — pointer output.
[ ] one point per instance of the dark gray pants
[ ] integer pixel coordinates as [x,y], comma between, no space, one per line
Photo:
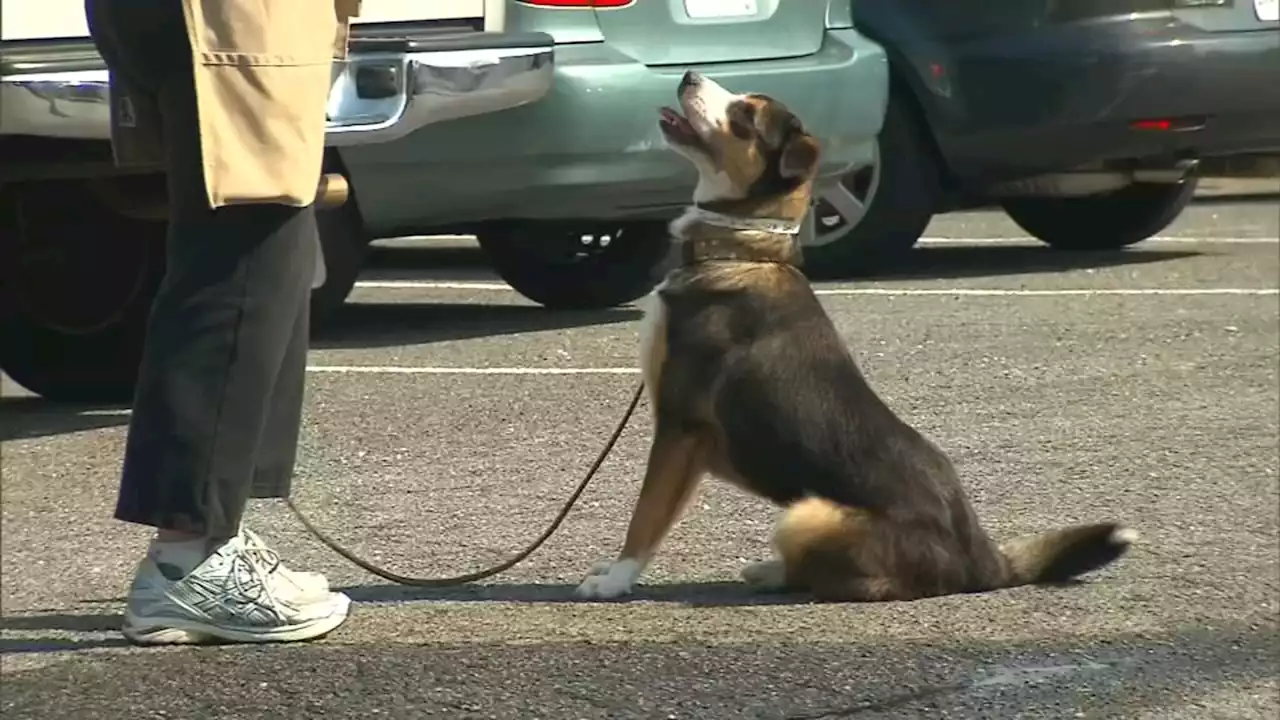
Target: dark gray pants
[219,399]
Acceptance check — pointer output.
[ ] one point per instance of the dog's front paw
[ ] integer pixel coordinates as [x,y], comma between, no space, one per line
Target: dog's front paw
[765,575]
[608,580]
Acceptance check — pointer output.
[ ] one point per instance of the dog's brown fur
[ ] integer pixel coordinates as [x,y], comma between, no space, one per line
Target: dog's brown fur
[749,381]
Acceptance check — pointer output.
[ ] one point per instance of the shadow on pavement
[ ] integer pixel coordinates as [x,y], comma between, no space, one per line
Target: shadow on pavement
[1151,674]
[692,594]
[61,623]
[25,418]
[367,325]
[697,593]
[467,262]
[69,622]
[24,646]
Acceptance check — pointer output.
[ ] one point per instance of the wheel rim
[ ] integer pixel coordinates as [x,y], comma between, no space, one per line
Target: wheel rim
[69,275]
[579,246]
[841,206]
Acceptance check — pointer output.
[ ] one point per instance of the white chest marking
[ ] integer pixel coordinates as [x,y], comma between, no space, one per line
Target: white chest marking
[653,332]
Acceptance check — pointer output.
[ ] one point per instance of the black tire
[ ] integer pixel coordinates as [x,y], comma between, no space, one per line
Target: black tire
[1106,221]
[548,262]
[95,358]
[345,245]
[78,282]
[905,200]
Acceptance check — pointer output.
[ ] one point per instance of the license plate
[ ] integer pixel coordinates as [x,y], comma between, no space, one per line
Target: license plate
[1267,10]
[726,8]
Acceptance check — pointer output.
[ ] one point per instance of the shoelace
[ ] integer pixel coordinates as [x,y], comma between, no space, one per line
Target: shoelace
[256,588]
[257,549]
[254,547]
[263,563]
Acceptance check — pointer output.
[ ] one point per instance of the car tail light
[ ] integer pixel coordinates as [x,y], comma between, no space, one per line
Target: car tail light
[1173,124]
[577,3]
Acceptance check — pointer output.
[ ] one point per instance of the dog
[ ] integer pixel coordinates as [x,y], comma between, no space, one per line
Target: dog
[749,381]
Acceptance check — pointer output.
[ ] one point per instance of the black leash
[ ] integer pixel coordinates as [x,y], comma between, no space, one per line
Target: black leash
[501,567]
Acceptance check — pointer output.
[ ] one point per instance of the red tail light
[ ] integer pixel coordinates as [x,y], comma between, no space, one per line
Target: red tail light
[1174,124]
[577,3]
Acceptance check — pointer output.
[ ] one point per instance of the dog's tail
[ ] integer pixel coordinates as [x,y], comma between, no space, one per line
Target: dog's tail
[815,525]
[1062,554]
[820,541]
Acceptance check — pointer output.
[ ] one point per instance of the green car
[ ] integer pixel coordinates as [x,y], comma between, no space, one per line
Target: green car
[531,124]
[568,196]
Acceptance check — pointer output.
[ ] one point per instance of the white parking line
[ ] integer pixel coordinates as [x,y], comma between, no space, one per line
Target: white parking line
[1020,240]
[413,240]
[412,370]
[1066,292]
[430,285]
[973,292]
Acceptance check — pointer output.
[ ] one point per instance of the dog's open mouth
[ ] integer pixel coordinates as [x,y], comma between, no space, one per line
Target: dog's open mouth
[677,127]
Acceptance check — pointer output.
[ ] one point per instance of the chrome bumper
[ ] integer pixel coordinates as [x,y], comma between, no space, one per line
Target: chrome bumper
[432,87]
[410,90]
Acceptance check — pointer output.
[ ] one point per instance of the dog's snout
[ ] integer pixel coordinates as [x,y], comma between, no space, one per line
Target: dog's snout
[690,79]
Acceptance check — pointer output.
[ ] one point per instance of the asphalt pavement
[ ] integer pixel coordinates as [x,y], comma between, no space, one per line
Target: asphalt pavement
[448,418]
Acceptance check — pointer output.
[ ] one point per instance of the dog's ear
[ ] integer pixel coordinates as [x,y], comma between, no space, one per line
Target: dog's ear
[799,156]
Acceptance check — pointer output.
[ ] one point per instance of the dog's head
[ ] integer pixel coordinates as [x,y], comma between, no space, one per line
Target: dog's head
[752,154]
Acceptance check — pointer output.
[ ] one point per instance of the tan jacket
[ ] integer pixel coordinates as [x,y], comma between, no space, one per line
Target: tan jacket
[262,76]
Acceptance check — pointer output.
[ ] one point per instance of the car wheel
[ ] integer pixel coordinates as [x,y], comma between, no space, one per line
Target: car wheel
[1105,221]
[78,282]
[345,245]
[872,217]
[575,265]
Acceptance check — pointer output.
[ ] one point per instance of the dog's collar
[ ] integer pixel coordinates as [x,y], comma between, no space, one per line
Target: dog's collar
[717,250]
[769,225]
[750,240]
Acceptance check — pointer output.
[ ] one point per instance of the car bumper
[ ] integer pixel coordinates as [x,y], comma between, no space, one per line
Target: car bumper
[592,149]
[387,88]
[1077,91]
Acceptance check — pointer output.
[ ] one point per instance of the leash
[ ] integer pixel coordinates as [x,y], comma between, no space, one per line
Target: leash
[501,567]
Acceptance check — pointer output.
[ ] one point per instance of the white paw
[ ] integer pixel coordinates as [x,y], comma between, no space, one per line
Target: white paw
[765,575]
[609,580]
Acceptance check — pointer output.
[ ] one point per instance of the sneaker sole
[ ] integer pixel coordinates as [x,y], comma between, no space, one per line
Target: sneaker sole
[182,631]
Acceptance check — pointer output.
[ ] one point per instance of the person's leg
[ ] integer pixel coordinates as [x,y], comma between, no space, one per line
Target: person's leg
[278,446]
[222,338]
[273,471]
[219,395]
[220,384]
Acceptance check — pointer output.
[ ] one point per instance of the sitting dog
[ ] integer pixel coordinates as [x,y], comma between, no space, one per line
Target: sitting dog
[749,381]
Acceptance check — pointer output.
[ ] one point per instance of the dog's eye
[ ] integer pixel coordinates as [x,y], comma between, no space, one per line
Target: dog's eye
[742,120]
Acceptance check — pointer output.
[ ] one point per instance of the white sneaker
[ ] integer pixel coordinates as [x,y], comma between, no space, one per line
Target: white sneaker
[236,595]
[311,585]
